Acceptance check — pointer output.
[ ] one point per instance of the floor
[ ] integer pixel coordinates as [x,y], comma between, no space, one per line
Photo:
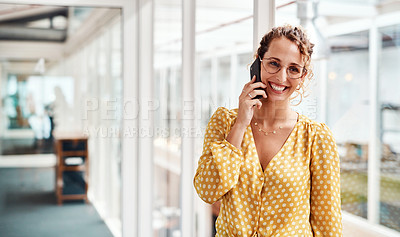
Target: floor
[28,208]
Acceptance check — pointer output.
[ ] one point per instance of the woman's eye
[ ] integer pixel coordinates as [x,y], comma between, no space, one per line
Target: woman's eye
[294,69]
[274,64]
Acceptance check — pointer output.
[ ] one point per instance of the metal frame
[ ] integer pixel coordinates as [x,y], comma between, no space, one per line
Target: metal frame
[358,225]
[83,3]
[263,19]
[188,117]
[129,163]
[374,151]
[29,50]
[362,24]
[145,147]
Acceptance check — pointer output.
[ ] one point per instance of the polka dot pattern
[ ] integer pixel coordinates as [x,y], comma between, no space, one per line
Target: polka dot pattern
[298,193]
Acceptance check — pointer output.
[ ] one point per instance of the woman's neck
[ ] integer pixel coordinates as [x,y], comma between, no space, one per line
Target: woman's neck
[274,113]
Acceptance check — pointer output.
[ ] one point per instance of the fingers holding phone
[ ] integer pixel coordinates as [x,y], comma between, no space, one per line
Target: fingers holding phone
[248,100]
[252,92]
[256,90]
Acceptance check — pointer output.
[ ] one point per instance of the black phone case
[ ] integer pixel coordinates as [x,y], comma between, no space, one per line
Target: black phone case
[255,70]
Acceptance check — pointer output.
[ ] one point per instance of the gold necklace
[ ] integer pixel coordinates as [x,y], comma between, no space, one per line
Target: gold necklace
[263,131]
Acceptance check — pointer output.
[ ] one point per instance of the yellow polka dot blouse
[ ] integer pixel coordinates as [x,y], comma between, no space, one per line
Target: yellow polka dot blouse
[298,193]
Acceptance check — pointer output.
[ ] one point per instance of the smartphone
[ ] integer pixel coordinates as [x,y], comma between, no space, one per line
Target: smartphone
[255,70]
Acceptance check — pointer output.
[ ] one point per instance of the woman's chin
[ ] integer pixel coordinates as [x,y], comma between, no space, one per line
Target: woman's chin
[275,99]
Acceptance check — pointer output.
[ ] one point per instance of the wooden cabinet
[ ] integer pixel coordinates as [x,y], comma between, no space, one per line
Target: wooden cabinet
[72,168]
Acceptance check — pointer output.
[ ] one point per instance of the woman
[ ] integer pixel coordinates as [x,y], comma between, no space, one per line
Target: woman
[275,171]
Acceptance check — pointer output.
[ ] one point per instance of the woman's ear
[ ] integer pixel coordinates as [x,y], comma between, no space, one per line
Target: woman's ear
[301,82]
[303,77]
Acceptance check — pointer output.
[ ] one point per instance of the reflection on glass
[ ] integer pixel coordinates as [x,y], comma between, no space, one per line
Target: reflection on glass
[206,90]
[167,118]
[167,155]
[347,103]
[223,80]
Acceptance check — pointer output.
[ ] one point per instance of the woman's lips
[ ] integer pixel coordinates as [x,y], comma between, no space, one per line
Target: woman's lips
[277,88]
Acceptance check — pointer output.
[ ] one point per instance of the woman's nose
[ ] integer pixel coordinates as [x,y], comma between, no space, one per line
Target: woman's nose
[282,75]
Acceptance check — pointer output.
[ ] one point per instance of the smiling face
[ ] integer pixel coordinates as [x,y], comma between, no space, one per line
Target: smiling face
[285,53]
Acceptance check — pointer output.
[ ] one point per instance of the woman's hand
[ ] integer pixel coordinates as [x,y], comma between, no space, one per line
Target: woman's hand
[246,102]
[246,110]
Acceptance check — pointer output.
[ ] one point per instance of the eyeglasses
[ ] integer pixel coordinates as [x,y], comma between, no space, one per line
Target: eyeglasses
[273,66]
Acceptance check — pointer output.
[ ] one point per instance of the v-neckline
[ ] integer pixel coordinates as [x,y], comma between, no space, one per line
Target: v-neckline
[280,150]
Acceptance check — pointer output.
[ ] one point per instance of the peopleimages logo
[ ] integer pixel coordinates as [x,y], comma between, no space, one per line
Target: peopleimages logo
[133,108]
[130,108]
[104,118]
[109,117]
[128,132]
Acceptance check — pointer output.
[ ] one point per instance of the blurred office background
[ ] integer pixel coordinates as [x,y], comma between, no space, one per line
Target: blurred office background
[142,78]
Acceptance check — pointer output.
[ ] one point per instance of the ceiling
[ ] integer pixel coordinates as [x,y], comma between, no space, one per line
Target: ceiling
[40,23]
[33,23]
[219,24]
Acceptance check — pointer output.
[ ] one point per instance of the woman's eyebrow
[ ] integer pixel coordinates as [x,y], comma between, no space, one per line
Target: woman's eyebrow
[277,59]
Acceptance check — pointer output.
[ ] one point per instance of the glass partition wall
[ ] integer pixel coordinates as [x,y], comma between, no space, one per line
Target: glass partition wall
[73,84]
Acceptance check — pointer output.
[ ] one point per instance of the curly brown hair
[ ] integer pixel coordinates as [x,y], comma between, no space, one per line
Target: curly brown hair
[297,35]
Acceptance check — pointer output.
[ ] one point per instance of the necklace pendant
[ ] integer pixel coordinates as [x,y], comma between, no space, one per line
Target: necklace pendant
[266,133]
[256,123]
[274,132]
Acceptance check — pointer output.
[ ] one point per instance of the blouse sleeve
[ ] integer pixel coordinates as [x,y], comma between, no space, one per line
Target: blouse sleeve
[326,216]
[219,165]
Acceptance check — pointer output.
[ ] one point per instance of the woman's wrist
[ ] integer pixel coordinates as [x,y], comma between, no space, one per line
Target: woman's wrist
[235,136]
[240,126]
